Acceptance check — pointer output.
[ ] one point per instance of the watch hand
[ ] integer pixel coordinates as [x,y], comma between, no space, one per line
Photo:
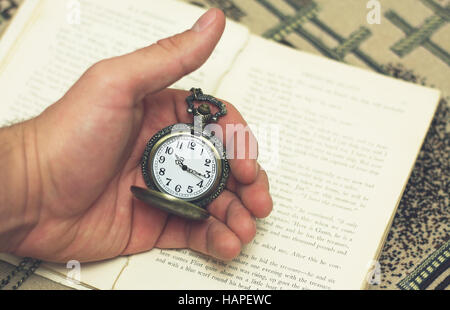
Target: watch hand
[196,173]
[180,162]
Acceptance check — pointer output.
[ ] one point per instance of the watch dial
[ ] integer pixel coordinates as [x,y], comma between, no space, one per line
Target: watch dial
[185,166]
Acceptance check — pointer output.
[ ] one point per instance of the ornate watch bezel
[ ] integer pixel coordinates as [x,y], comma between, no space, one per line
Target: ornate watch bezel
[187,129]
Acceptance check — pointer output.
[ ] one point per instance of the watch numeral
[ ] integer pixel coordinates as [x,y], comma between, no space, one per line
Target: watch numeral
[200,184]
[162,171]
[208,174]
[207,162]
[190,189]
[192,146]
[178,188]
[170,180]
[179,145]
[169,150]
[201,153]
[162,159]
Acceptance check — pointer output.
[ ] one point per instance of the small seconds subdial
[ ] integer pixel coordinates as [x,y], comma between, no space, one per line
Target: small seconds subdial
[185,166]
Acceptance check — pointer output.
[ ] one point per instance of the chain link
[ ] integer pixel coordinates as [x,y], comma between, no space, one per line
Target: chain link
[27,272]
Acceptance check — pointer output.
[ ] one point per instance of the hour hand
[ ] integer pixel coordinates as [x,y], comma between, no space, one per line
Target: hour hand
[179,162]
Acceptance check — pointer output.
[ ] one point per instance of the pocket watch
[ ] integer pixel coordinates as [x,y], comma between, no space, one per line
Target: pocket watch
[184,165]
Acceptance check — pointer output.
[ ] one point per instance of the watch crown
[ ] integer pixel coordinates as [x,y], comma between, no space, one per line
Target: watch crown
[204,109]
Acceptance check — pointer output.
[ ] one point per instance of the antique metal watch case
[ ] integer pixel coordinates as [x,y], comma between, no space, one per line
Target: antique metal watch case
[184,165]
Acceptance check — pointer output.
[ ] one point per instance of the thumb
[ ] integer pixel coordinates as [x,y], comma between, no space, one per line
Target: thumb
[156,67]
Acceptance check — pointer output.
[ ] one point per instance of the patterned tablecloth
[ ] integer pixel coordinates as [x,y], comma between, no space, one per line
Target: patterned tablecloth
[411,42]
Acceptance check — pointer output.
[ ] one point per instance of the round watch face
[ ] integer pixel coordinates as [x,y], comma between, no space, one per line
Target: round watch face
[185,166]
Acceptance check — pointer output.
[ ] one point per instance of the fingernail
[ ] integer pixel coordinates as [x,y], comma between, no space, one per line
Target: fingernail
[204,21]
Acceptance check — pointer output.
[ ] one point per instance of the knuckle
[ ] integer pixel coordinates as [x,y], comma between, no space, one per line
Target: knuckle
[172,48]
[103,74]
[169,45]
[172,45]
[99,68]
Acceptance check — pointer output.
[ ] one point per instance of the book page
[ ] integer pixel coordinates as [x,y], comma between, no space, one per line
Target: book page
[338,144]
[56,46]
[46,50]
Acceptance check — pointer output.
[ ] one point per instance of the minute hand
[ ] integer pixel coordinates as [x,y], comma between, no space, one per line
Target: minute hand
[196,173]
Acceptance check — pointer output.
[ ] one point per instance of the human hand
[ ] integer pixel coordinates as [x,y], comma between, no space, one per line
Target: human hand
[83,154]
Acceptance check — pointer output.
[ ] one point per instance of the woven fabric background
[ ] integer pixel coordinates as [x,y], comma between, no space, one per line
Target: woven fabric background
[411,42]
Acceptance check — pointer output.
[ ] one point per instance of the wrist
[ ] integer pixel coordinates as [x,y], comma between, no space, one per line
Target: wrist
[19,184]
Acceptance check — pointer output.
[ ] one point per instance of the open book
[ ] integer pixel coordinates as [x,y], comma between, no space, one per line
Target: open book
[338,142]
